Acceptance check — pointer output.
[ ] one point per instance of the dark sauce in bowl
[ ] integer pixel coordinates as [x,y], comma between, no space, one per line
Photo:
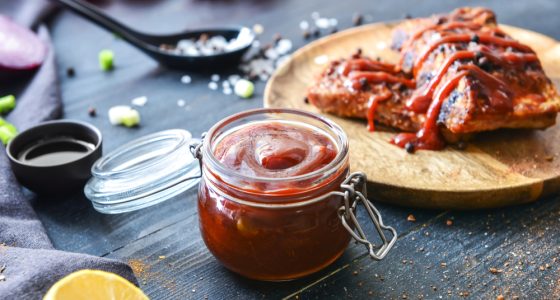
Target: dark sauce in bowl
[55,151]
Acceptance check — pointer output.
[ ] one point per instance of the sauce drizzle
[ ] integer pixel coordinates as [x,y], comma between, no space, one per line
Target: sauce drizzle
[372,107]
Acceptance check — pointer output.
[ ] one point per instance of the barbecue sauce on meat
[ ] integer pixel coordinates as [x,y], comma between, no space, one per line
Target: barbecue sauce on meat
[483,47]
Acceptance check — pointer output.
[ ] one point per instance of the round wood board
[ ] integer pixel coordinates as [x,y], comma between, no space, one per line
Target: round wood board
[499,168]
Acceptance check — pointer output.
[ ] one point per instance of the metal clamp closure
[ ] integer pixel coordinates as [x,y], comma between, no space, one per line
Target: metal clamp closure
[196,149]
[354,191]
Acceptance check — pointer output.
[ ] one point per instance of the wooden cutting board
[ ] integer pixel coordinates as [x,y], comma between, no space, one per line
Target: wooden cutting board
[499,168]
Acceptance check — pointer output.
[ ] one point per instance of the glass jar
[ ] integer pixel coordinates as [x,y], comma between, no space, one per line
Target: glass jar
[278,228]
[266,228]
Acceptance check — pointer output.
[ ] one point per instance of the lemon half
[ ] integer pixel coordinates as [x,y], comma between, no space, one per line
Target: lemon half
[94,285]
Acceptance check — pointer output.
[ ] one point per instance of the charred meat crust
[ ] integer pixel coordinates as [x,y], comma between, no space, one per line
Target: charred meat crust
[503,83]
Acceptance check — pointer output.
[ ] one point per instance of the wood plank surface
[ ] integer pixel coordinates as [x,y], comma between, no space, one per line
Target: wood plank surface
[497,169]
[170,229]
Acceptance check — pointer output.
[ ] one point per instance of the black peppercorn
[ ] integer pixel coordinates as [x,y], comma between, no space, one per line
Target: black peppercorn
[364,83]
[358,53]
[407,16]
[306,100]
[70,72]
[92,112]
[475,38]
[306,34]
[478,55]
[409,147]
[357,19]
[334,30]
[484,64]
[461,145]
[315,32]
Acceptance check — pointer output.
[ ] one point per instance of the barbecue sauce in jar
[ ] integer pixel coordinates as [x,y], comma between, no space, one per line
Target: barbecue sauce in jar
[264,201]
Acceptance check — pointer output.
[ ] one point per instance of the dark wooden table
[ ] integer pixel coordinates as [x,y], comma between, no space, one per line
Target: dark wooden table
[512,252]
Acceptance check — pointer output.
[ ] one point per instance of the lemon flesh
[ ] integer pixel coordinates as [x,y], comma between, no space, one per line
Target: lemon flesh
[94,285]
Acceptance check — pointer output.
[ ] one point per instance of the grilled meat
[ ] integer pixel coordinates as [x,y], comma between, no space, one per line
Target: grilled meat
[463,73]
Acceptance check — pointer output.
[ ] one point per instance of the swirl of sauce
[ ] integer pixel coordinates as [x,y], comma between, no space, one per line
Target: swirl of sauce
[275,149]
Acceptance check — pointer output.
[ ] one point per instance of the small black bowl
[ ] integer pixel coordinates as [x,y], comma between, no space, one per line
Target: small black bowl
[76,146]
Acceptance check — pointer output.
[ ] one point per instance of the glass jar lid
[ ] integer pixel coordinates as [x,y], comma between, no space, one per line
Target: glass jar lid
[143,172]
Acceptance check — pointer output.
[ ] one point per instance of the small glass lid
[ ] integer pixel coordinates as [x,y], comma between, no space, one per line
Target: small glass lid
[143,172]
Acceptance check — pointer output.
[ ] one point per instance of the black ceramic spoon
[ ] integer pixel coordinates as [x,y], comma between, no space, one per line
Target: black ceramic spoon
[150,44]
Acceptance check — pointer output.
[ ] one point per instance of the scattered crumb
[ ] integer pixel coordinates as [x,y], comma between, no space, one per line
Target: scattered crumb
[139,101]
[411,218]
[449,222]
[139,268]
[500,297]
[162,257]
[495,271]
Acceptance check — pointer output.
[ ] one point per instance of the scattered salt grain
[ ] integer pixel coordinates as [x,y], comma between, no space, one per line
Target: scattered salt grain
[233,79]
[322,23]
[260,62]
[284,46]
[315,15]
[303,25]
[186,79]
[181,102]
[258,29]
[321,59]
[215,77]
[227,91]
[206,45]
[213,85]
[271,53]
[333,22]
[139,101]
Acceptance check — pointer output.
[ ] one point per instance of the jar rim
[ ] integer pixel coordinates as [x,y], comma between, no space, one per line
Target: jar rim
[339,159]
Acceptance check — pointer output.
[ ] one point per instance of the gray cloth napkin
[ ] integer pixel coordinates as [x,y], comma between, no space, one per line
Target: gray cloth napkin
[29,265]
